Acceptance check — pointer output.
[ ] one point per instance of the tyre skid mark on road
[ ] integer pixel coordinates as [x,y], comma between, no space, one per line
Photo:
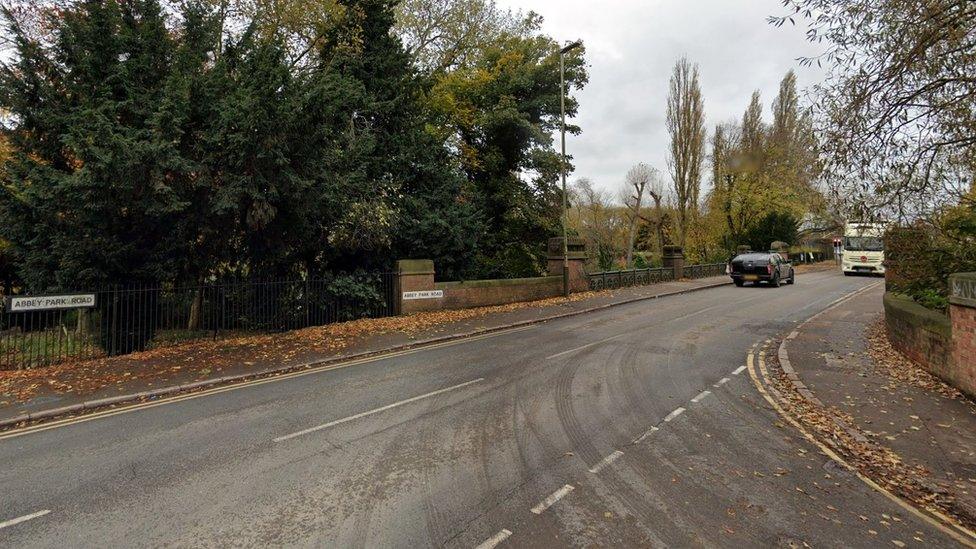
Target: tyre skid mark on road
[625,334]
[606,461]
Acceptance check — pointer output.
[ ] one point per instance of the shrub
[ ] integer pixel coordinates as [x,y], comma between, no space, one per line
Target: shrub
[921,256]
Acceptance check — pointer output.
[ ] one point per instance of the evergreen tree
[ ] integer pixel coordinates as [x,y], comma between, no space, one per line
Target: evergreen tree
[83,200]
[499,114]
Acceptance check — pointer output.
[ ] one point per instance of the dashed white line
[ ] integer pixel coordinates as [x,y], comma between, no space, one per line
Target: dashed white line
[553,498]
[495,540]
[606,461]
[646,434]
[701,396]
[739,370]
[677,412]
[721,382]
[377,410]
[581,347]
[25,518]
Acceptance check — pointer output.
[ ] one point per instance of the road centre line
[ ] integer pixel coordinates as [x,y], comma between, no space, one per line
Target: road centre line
[739,370]
[646,434]
[611,338]
[495,540]
[721,382]
[25,518]
[377,410]
[272,378]
[581,347]
[606,461]
[553,498]
[677,412]
[701,396]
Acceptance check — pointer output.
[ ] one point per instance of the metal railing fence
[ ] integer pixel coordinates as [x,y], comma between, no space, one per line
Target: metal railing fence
[704,270]
[132,318]
[609,280]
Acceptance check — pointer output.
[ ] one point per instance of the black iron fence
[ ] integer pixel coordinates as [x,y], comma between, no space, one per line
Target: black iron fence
[704,270]
[608,280]
[135,318]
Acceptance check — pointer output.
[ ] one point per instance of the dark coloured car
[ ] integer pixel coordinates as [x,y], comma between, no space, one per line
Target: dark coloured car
[759,267]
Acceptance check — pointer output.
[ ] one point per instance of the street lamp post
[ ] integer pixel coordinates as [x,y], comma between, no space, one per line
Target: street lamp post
[562,109]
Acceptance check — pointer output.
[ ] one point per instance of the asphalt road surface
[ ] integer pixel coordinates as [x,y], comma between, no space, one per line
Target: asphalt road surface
[634,426]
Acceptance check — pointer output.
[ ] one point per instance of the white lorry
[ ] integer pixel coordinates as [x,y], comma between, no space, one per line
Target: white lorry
[863,249]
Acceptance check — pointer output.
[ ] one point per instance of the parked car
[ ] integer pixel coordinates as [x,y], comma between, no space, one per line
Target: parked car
[759,267]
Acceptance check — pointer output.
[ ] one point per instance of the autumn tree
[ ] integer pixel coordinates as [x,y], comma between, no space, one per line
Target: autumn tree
[686,126]
[761,169]
[635,185]
[897,111]
[597,221]
[444,35]
[499,114]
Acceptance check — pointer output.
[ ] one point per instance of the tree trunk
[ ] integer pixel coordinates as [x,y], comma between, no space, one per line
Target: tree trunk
[633,231]
[82,327]
[195,310]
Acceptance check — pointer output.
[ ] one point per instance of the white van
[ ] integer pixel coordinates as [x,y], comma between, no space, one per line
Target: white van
[863,248]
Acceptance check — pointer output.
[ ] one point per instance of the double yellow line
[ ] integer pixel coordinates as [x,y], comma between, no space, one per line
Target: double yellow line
[125,409]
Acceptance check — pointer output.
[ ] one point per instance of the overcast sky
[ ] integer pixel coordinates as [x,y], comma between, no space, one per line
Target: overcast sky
[631,48]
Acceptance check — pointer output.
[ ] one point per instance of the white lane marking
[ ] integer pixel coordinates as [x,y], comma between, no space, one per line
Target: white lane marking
[24,518]
[677,412]
[581,347]
[553,498]
[721,382]
[700,396]
[739,370]
[606,461]
[495,540]
[377,410]
[611,338]
[646,434]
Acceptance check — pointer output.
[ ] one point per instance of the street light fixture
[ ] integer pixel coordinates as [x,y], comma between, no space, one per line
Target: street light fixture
[562,109]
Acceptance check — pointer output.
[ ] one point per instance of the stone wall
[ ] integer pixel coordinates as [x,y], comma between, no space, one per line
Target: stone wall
[481,293]
[944,345]
[921,334]
[419,292]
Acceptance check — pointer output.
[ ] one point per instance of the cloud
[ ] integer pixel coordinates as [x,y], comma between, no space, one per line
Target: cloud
[631,48]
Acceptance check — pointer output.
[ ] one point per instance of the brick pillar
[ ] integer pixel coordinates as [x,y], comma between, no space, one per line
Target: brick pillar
[962,314]
[416,275]
[674,258]
[578,281]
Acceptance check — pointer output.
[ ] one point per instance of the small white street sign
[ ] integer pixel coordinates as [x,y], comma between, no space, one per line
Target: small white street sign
[425,294]
[49,302]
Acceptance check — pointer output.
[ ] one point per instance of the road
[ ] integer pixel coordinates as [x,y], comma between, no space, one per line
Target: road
[632,426]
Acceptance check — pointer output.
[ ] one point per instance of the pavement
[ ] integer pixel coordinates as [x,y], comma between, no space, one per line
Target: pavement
[636,425]
[931,429]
